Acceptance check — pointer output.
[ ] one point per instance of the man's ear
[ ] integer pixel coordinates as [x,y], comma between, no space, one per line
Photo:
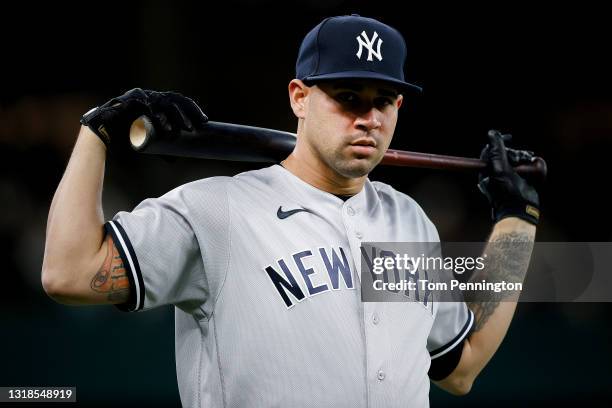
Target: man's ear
[399,100]
[298,95]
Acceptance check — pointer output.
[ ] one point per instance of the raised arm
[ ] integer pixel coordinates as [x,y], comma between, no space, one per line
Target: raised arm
[515,206]
[81,264]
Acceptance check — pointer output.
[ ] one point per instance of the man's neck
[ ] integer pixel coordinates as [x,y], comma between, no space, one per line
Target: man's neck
[322,177]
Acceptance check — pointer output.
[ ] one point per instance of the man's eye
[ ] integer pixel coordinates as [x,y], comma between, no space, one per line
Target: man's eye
[347,97]
[383,102]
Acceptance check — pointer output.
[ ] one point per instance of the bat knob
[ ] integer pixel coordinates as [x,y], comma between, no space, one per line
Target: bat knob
[541,167]
[140,132]
[536,170]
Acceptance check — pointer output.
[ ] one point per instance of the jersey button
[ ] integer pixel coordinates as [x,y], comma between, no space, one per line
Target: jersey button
[375,319]
[359,235]
[350,210]
[380,375]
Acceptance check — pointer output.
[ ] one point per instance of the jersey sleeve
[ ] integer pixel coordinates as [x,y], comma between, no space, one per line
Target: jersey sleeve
[452,324]
[161,252]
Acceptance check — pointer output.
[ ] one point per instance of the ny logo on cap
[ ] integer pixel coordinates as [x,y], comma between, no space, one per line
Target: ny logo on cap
[367,43]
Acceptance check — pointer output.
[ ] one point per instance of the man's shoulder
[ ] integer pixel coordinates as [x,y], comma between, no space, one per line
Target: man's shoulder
[258,175]
[204,185]
[218,184]
[389,193]
[404,203]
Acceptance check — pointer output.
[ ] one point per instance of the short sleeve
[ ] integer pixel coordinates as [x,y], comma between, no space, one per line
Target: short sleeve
[453,320]
[160,252]
[452,324]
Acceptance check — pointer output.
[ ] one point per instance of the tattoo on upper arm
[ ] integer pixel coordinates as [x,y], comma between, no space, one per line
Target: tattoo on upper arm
[507,260]
[111,277]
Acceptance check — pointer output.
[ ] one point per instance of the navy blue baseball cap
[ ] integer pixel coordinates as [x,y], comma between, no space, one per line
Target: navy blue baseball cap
[353,47]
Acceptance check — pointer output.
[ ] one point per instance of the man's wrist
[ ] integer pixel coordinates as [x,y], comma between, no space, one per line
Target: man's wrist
[512,224]
[91,119]
[87,134]
[524,211]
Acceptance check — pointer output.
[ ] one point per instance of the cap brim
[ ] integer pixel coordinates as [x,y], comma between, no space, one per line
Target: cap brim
[401,85]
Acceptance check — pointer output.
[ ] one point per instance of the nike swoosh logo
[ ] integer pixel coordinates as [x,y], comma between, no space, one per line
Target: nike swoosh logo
[284,214]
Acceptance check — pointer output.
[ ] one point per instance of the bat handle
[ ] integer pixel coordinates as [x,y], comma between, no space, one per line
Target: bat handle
[537,169]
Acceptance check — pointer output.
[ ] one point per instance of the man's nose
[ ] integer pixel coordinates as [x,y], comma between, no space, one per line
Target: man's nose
[369,120]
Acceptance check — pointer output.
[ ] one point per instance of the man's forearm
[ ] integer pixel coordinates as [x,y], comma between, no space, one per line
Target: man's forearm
[74,225]
[508,253]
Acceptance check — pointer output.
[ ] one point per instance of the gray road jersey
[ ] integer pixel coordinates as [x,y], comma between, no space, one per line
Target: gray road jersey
[268,309]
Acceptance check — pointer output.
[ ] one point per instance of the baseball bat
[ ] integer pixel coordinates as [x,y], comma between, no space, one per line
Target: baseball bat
[228,141]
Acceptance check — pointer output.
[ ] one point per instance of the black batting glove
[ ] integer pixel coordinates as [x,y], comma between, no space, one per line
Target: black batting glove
[170,112]
[113,119]
[509,194]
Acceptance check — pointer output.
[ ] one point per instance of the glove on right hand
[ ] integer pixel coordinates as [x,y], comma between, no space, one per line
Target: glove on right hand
[114,118]
[170,113]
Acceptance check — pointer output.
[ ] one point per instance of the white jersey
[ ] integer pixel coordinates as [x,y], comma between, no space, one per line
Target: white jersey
[263,269]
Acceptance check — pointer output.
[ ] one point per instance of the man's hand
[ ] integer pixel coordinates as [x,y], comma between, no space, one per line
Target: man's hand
[170,112]
[113,119]
[509,194]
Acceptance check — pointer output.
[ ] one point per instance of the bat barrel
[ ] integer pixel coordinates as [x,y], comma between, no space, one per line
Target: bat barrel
[215,140]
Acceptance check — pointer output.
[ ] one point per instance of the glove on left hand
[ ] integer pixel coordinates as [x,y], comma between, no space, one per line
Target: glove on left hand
[508,193]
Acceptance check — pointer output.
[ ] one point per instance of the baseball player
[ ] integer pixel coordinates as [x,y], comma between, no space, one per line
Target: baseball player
[263,268]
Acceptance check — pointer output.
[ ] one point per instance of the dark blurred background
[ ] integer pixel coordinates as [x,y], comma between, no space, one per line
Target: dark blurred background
[541,73]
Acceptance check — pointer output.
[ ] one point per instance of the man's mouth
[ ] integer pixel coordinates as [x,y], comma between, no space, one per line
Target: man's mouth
[364,142]
[364,147]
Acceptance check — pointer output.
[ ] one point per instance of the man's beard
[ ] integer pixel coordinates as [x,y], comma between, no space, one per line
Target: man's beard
[353,168]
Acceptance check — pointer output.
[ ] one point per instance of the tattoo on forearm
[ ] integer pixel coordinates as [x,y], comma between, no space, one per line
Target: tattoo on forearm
[507,260]
[111,278]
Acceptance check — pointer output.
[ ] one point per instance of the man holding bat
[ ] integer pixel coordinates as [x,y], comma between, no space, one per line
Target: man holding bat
[263,267]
